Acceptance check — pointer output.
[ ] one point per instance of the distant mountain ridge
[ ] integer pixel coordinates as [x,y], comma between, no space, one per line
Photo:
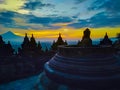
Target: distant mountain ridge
[10,36]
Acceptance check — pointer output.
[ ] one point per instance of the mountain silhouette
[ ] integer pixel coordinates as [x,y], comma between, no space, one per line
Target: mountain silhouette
[10,36]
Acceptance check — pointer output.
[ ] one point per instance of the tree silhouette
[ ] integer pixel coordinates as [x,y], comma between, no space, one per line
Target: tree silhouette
[54,46]
[46,49]
[33,43]
[9,49]
[30,47]
[5,49]
[39,47]
[26,43]
[39,50]
[78,43]
[1,41]
[65,43]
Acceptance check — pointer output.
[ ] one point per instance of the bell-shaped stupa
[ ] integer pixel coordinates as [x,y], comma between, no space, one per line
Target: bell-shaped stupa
[88,68]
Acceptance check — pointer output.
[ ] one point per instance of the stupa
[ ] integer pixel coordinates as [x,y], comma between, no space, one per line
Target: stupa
[59,41]
[87,67]
[106,41]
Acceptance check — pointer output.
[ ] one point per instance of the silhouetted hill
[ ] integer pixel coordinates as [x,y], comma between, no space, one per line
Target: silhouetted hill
[10,36]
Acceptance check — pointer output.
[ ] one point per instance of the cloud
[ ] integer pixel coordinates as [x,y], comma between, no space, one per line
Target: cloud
[1,1]
[11,19]
[49,20]
[79,24]
[99,20]
[110,6]
[35,4]
[11,5]
[79,1]
[62,20]
[103,13]
[7,14]
[6,18]
[40,20]
[103,20]
[82,9]
[38,14]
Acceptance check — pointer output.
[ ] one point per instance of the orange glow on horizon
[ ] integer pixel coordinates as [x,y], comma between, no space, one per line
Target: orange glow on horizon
[70,33]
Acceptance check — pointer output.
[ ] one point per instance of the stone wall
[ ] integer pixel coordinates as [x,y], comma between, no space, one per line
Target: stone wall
[85,51]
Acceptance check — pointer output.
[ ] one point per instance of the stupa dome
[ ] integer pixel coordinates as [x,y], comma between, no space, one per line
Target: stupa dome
[92,67]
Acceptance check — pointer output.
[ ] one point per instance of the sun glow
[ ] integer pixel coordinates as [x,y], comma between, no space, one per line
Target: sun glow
[70,33]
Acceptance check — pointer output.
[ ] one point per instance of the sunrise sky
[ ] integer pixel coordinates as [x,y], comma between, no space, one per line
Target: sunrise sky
[47,18]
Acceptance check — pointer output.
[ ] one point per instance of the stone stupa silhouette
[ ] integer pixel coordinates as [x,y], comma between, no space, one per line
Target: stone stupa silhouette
[59,41]
[87,68]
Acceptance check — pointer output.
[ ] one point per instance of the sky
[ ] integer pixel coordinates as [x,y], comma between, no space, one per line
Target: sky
[47,18]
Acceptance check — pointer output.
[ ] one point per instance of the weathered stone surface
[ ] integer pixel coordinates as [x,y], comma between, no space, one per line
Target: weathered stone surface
[85,67]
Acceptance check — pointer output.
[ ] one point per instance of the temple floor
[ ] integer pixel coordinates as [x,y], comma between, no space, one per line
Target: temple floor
[38,82]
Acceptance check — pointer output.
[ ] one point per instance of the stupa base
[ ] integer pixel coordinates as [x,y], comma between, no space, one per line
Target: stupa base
[82,82]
